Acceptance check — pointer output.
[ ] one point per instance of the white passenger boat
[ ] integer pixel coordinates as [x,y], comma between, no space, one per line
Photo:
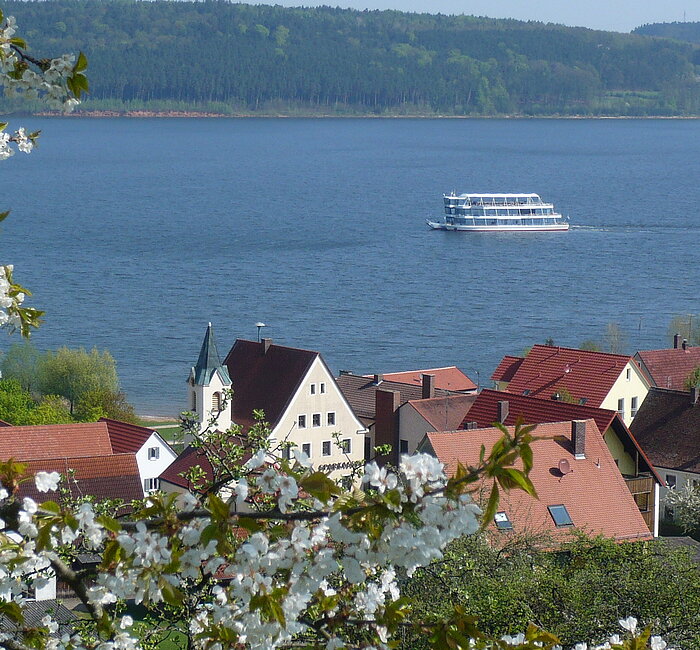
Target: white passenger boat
[498,212]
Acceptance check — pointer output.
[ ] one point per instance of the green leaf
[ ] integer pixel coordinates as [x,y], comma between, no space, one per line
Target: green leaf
[81,63]
[320,486]
[51,506]
[12,610]
[491,507]
[4,215]
[19,42]
[217,507]
[110,524]
[3,126]
[171,595]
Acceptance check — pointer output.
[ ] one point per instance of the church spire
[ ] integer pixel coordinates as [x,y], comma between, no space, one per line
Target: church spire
[209,362]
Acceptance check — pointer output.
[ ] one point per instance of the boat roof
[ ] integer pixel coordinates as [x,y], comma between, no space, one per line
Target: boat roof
[504,196]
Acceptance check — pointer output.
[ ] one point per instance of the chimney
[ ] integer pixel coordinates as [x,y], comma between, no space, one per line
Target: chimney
[503,408]
[471,425]
[386,423]
[378,379]
[266,343]
[428,383]
[578,438]
[676,341]
[694,395]
[684,345]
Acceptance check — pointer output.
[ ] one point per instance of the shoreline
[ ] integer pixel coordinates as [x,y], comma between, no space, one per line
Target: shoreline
[195,114]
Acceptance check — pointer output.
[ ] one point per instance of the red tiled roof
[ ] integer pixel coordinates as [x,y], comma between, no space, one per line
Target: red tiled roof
[533,410]
[113,476]
[583,373]
[449,378]
[667,426]
[55,441]
[360,392]
[670,368]
[266,381]
[125,437]
[444,413]
[507,368]
[594,493]
[4,424]
[190,457]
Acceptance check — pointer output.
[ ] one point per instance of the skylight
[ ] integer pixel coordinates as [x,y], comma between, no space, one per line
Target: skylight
[560,515]
[501,520]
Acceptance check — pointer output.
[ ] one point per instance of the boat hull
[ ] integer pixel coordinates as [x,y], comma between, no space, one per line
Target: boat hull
[440,225]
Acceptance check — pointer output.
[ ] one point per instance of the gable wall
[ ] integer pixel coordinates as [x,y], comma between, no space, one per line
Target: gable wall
[153,468]
[623,388]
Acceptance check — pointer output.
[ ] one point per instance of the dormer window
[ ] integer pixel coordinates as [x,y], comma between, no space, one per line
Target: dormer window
[502,522]
[561,516]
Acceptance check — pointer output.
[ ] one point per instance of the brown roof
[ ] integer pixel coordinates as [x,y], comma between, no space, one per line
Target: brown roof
[584,374]
[667,426]
[533,410]
[55,441]
[359,392]
[594,492]
[669,368]
[265,380]
[190,457]
[113,476]
[449,378]
[507,368]
[126,437]
[444,413]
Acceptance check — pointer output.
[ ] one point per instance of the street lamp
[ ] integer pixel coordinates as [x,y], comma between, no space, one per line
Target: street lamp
[259,326]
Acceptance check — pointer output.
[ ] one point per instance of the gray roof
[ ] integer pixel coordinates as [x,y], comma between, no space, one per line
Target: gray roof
[209,362]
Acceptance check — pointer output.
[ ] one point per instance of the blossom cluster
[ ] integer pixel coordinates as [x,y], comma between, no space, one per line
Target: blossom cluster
[9,301]
[331,553]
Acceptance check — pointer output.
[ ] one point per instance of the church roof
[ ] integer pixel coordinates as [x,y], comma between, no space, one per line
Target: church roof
[209,362]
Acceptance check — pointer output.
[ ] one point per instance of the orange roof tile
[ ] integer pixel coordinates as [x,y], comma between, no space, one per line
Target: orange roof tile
[449,378]
[55,441]
[594,492]
[584,374]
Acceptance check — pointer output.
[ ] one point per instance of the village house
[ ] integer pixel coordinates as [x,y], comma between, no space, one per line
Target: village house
[376,401]
[578,484]
[599,379]
[447,378]
[295,390]
[64,445]
[640,475]
[670,368]
[668,428]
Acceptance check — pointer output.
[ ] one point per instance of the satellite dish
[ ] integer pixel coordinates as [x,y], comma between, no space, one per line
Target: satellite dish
[564,466]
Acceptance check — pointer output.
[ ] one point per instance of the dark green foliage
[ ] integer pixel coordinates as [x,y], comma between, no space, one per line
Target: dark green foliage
[101,403]
[577,593]
[237,58]
[18,407]
[680,31]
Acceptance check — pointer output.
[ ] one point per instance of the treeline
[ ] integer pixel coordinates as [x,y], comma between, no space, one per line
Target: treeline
[680,31]
[237,58]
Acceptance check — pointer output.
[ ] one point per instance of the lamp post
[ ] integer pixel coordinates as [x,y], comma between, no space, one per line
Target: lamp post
[259,326]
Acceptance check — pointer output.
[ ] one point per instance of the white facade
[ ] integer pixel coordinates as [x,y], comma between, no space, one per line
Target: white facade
[627,393]
[675,480]
[210,403]
[153,459]
[412,428]
[320,422]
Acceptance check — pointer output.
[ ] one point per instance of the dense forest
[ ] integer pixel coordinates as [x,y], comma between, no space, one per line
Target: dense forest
[239,59]
[680,31]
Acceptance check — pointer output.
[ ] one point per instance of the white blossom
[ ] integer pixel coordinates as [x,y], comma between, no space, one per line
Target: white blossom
[47,481]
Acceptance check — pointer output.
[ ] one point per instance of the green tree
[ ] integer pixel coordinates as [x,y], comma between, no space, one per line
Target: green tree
[72,373]
[18,407]
[590,345]
[615,338]
[693,379]
[688,326]
[101,403]
[21,362]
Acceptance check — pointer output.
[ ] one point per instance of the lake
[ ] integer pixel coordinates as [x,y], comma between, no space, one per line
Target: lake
[134,233]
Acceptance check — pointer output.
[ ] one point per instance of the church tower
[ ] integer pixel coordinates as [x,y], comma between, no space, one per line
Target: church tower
[208,381]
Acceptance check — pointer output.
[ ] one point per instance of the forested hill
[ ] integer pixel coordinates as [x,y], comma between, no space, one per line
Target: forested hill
[237,58]
[680,31]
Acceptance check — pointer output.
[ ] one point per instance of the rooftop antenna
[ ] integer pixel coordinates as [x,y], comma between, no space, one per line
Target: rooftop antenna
[259,325]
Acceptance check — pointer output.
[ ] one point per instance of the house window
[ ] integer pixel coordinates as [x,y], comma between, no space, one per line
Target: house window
[670,480]
[153,453]
[313,389]
[216,402]
[346,445]
[560,515]
[150,484]
[629,374]
[194,401]
[403,446]
[322,388]
[501,520]
[642,501]
[316,420]
[301,422]
[330,418]
[286,452]
[306,448]
[326,448]
[621,407]
[634,406]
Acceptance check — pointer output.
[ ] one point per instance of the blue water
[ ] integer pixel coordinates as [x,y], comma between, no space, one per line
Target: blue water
[134,233]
